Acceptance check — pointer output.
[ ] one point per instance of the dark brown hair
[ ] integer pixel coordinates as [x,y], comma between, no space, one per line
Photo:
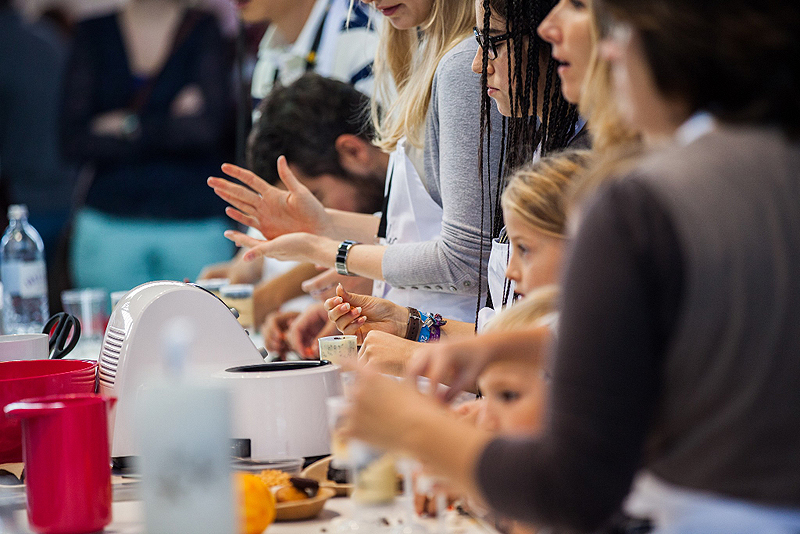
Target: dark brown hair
[302,122]
[738,59]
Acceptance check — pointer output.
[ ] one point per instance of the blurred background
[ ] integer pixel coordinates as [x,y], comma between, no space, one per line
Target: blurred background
[111,123]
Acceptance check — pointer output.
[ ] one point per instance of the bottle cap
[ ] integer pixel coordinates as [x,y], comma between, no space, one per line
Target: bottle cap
[16,211]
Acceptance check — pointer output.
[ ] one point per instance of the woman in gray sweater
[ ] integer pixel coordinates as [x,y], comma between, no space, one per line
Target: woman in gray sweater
[439,223]
[431,126]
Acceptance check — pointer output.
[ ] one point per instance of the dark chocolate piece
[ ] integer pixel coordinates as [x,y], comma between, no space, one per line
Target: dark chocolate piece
[307,485]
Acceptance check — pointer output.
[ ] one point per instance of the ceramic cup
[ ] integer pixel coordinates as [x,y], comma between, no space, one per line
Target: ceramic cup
[336,349]
[24,347]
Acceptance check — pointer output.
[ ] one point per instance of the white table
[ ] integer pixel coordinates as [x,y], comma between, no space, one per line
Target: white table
[129,519]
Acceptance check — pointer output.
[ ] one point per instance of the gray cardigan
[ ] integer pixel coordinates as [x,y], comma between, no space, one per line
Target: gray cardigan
[452,139]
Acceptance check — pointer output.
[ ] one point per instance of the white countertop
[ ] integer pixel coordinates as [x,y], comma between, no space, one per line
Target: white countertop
[128,519]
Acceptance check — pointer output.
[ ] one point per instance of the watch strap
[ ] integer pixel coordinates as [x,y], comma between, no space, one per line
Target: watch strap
[414,324]
[341,257]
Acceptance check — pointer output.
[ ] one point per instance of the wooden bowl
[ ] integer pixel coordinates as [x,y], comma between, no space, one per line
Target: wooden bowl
[16,470]
[319,471]
[305,509]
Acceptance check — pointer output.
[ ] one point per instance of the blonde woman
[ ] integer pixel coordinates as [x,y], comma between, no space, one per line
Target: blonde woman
[585,77]
[435,223]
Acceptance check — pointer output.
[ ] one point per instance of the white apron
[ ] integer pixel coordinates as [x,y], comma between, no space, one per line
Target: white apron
[496,277]
[678,510]
[413,217]
[498,263]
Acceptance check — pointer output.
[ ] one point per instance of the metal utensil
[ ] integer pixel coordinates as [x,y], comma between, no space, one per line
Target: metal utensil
[63,330]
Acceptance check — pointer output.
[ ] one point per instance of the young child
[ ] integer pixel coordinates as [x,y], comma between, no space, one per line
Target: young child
[513,393]
[534,208]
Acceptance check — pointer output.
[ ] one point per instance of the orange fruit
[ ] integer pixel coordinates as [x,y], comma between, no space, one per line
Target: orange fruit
[256,504]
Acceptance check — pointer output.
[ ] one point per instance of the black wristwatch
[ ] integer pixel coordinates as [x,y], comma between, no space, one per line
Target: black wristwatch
[341,257]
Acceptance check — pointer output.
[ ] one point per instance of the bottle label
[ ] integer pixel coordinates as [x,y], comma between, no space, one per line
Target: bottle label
[24,279]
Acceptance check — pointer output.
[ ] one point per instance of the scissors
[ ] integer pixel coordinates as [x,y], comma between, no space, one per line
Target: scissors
[63,330]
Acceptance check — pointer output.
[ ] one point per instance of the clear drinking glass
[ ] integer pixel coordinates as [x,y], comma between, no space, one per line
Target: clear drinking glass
[371,470]
[410,524]
[90,306]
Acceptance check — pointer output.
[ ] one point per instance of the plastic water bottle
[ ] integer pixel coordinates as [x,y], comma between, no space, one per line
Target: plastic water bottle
[183,428]
[23,273]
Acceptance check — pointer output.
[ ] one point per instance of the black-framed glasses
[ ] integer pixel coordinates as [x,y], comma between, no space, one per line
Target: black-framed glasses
[490,42]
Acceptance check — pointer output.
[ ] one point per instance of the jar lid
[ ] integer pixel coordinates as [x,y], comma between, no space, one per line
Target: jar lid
[237,291]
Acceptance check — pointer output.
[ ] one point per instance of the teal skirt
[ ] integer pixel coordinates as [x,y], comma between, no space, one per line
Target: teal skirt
[120,253]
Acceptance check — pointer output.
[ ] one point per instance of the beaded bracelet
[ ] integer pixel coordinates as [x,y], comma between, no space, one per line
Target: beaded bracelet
[431,327]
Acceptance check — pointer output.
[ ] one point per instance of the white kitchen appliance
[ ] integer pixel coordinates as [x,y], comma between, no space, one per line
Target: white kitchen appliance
[279,408]
[277,414]
[132,354]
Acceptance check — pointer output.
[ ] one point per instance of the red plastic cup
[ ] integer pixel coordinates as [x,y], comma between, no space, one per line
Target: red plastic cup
[65,448]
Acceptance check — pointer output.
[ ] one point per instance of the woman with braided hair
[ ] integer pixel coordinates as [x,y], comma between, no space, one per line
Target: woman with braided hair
[519,75]
[524,84]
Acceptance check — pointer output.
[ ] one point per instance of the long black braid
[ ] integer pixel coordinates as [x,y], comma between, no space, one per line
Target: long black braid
[483,153]
[523,132]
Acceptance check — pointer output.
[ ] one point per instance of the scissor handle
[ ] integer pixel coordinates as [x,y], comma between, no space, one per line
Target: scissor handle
[63,323]
[51,323]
